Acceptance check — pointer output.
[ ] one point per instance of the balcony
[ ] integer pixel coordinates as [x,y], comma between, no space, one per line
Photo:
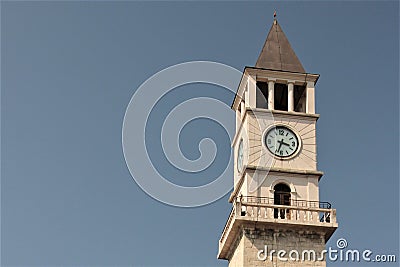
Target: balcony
[247,210]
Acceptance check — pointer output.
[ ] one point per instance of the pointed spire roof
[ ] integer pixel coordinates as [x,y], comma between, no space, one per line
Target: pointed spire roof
[277,53]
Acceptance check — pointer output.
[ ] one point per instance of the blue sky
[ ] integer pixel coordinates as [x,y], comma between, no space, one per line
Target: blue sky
[68,72]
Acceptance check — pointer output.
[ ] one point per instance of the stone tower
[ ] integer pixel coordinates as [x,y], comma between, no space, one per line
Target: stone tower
[277,218]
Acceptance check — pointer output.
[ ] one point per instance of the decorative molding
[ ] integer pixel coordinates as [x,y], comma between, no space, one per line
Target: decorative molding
[278,180]
[288,113]
[283,170]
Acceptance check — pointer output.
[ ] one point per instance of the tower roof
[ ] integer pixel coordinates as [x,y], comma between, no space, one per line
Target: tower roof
[277,53]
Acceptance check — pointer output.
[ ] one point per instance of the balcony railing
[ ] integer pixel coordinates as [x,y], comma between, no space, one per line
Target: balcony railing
[264,210]
[295,203]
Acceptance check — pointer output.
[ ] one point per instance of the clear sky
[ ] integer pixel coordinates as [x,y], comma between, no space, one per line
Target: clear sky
[69,69]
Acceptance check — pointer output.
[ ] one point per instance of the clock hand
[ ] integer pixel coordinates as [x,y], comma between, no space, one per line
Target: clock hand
[285,143]
[280,145]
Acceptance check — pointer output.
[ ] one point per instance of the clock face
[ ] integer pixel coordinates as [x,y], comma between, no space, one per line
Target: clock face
[240,156]
[281,141]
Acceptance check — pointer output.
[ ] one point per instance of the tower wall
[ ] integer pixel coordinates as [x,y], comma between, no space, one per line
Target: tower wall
[251,240]
[238,250]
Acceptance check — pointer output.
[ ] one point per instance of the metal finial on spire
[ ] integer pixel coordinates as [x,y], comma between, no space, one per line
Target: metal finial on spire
[274,13]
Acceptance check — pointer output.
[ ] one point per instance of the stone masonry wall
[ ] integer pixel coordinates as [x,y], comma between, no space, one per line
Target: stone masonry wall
[251,240]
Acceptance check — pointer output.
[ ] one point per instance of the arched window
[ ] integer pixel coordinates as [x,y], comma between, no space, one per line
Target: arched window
[281,197]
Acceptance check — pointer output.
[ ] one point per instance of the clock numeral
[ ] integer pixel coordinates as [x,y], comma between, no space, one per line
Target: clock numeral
[293,144]
[281,132]
[281,153]
[269,141]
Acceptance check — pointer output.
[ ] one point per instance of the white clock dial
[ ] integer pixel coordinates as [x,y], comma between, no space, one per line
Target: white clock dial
[281,141]
[240,156]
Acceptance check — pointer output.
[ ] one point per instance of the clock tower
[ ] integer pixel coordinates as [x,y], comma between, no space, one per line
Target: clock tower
[277,218]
